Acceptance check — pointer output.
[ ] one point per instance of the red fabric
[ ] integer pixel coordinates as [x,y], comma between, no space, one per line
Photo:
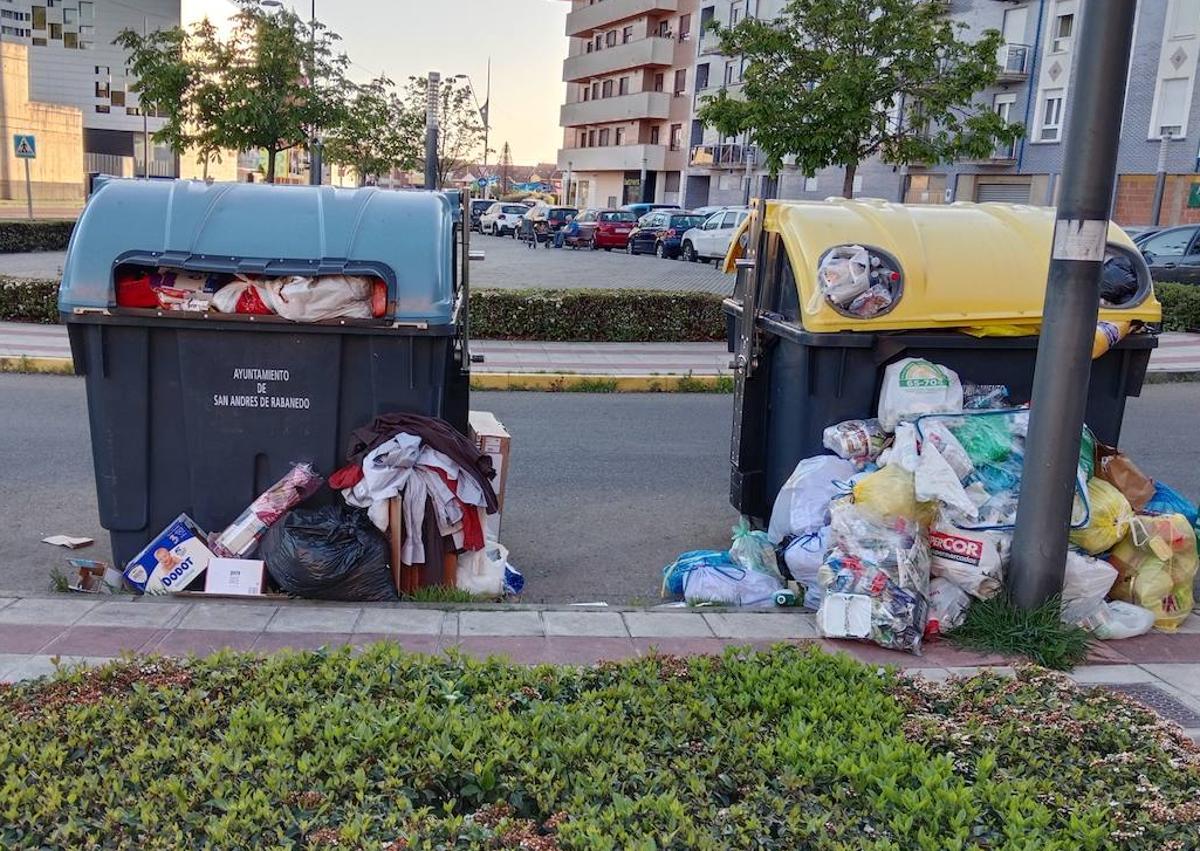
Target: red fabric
[346,477]
[135,291]
[472,528]
[250,302]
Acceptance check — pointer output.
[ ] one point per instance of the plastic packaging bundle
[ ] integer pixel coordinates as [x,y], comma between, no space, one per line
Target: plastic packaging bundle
[844,274]
[985,397]
[1108,519]
[913,387]
[948,606]
[874,301]
[1109,621]
[857,441]
[803,502]
[241,536]
[1156,566]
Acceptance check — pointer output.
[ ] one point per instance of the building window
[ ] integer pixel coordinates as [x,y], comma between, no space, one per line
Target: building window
[1063,26]
[118,98]
[604,138]
[680,81]
[39,42]
[735,13]
[702,77]
[132,110]
[1170,112]
[87,14]
[654,132]
[626,35]
[1052,103]
[685,27]
[623,86]
[102,108]
[71,40]
[39,17]
[585,93]
[102,90]
[70,16]
[589,46]
[730,72]
[676,137]
[583,138]
[610,38]
[606,89]
[595,90]
[1185,19]
[619,136]
[56,31]
[591,138]
[658,82]
[599,41]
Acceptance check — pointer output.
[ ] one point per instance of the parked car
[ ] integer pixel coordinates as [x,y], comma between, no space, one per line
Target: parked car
[479,206]
[1173,254]
[710,241]
[712,208]
[640,209]
[502,218]
[1138,233]
[607,229]
[661,233]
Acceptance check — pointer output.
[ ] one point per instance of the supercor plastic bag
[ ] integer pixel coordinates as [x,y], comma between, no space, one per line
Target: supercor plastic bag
[1086,578]
[972,560]
[844,274]
[857,441]
[948,606]
[729,584]
[329,553]
[753,550]
[803,502]
[913,387]
[1156,565]
[1108,518]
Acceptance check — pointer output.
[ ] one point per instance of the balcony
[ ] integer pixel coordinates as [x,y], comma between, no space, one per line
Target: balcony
[583,21]
[621,108]
[1004,154]
[720,156]
[614,158]
[635,54]
[1014,61]
[709,43]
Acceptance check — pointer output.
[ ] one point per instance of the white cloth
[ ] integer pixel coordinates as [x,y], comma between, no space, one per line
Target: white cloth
[386,470]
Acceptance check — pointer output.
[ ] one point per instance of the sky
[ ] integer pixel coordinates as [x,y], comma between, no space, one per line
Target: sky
[402,38]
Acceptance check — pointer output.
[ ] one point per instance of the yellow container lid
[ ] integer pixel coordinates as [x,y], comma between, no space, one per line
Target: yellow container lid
[963,264]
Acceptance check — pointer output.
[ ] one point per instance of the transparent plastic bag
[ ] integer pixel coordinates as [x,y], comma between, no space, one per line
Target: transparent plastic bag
[890,492]
[857,441]
[1108,518]
[1109,621]
[482,571]
[1156,567]
[1167,500]
[1086,578]
[948,606]
[803,502]
[675,572]
[844,274]
[753,550]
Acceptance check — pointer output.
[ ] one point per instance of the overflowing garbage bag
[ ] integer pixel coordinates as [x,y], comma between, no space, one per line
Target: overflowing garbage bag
[857,441]
[1108,518]
[329,553]
[1167,500]
[1118,280]
[857,281]
[1156,565]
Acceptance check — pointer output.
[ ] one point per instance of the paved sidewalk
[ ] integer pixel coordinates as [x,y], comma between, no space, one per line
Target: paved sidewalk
[1177,353]
[37,633]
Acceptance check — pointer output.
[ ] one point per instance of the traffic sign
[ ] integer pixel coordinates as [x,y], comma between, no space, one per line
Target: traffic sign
[25,146]
[481,182]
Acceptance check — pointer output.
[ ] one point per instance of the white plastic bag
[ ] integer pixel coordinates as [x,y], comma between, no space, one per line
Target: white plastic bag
[913,387]
[730,585]
[934,432]
[1109,621]
[803,502]
[844,273]
[804,557]
[948,606]
[482,571]
[1086,578]
[972,560]
[903,451]
[936,481]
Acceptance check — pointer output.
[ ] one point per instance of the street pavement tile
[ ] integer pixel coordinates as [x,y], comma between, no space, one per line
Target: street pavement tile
[679,646]
[314,619]
[4,601]
[227,616]
[43,666]
[47,610]
[27,638]
[269,642]
[751,625]
[103,641]
[522,650]
[599,624]
[1154,646]
[425,644]
[1108,674]
[403,620]
[8,661]
[588,651]
[1192,624]
[1104,653]
[667,625]
[947,656]
[1184,677]
[873,654]
[500,622]
[203,642]
[132,614]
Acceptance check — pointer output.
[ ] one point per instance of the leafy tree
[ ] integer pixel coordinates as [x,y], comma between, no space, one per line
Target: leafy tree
[460,135]
[835,82]
[165,78]
[379,132]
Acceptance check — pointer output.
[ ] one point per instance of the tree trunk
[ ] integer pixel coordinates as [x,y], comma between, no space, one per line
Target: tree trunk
[848,181]
[206,167]
[270,165]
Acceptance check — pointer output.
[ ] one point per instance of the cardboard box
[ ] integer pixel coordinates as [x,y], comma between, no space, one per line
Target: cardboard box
[171,561]
[492,439]
[236,577]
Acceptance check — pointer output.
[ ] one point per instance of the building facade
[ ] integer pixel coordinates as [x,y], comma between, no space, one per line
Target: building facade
[1037,61]
[629,78]
[73,62]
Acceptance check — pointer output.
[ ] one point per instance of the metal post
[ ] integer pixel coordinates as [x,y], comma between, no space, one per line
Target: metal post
[749,167]
[314,142]
[642,186]
[145,117]
[1160,177]
[567,186]
[28,190]
[1060,383]
[431,128]
[487,123]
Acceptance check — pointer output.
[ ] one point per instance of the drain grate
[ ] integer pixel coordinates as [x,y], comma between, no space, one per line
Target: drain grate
[1155,698]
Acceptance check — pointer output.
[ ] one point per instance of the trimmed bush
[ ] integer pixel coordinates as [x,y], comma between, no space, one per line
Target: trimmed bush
[28,301]
[786,748]
[617,316]
[39,235]
[1181,306]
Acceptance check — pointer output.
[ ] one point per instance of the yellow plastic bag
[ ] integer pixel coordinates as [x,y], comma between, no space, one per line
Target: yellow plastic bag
[891,492]
[1108,519]
[1156,564]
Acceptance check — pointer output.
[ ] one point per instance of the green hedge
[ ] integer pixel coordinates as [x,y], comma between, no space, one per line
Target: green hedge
[17,236]
[1181,306]
[28,301]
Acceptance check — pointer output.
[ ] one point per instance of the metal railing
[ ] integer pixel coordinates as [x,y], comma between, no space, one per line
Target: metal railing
[1014,60]
[714,156]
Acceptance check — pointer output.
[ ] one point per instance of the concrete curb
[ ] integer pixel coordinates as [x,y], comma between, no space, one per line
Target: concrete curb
[38,365]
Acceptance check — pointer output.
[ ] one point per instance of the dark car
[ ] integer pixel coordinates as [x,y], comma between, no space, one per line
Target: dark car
[607,229]
[661,232]
[1173,254]
[557,217]
[479,206]
[642,208]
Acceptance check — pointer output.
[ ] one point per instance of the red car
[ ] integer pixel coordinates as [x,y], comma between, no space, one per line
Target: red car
[607,229]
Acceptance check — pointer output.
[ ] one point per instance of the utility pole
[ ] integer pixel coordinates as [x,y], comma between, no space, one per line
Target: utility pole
[315,166]
[1064,358]
[145,118]
[642,186]
[487,123]
[432,89]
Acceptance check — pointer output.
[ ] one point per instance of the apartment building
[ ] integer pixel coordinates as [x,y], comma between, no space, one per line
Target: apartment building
[1037,61]
[630,77]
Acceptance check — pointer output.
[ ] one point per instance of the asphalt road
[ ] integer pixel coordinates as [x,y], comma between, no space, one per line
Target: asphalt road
[604,489]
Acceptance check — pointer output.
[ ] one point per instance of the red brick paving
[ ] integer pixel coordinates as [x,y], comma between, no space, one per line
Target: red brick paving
[103,641]
[26,638]
[202,642]
[1158,647]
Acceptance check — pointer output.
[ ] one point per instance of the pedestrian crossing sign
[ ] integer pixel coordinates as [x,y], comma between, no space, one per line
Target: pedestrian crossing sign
[24,146]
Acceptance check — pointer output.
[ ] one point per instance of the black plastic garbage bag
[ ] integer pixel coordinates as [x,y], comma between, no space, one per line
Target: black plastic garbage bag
[1119,283]
[329,553]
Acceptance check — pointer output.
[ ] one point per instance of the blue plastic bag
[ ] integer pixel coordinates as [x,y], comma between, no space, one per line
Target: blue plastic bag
[1167,500]
[676,572]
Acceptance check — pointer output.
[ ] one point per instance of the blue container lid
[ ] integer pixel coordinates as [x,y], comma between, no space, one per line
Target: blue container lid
[406,238]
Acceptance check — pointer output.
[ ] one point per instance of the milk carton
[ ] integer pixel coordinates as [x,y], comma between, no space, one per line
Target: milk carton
[171,561]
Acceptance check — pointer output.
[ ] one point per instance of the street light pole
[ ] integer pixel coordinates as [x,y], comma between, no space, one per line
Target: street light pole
[1064,358]
[567,185]
[485,114]
[315,166]
[145,118]
[432,90]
